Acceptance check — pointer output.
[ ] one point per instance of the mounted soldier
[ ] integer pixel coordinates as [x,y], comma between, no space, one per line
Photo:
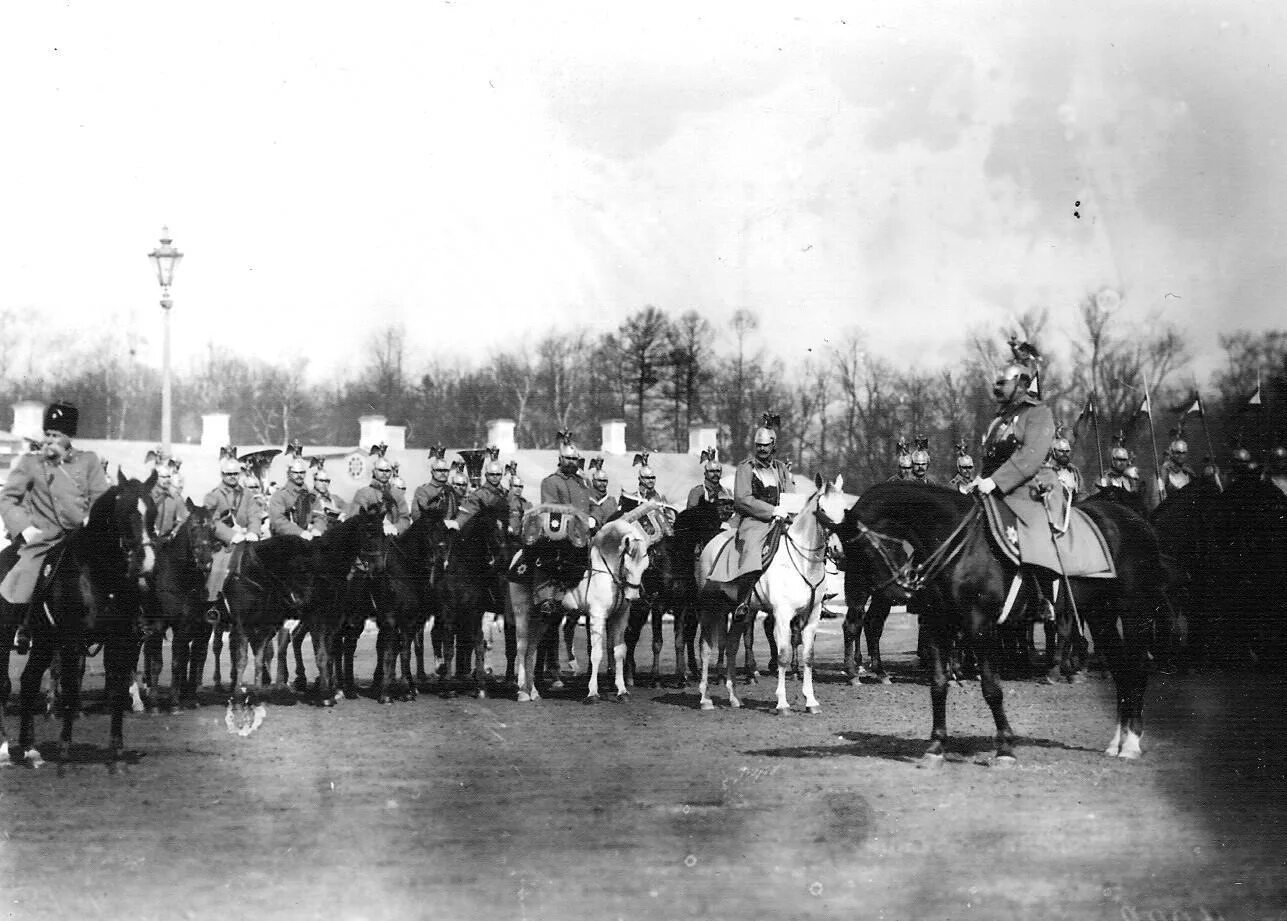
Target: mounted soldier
[518,506]
[46,497]
[290,510]
[459,481]
[171,510]
[710,491]
[904,470]
[1061,462]
[437,493]
[1176,473]
[327,508]
[379,495]
[964,479]
[487,495]
[758,516]
[235,513]
[647,488]
[602,506]
[920,459]
[1046,532]
[1120,460]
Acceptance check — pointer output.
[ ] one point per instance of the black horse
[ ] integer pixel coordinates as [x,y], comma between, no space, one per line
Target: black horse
[176,602]
[473,586]
[90,595]
[953,565]
[287,576]
[670,587]
[406,593]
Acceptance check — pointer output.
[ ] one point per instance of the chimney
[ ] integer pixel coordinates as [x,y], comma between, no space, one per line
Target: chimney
[29,419]
[396,436]
[371,431]
[614,436]
[500,432]
[701,437]
[214,430]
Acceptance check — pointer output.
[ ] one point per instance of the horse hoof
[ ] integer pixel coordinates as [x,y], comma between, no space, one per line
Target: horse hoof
[481,695]
[813,708]
[708,705]
[386,699]
[328,701]
[524,697]
[300,686]
[350,694]
[735,703]
[556,684]
[855,682]
[930,761]
[591,699]
[885,679]
[780,711]
[623,697]
[1005,761]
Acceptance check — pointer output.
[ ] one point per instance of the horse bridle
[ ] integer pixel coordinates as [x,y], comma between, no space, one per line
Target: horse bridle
[909,577]
[620,583]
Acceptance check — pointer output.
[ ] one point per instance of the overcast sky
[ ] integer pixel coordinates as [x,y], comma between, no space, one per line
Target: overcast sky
[484,170]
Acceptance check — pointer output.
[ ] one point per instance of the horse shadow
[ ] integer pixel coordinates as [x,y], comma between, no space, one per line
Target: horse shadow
[86,753]
[907,751]
[693,701]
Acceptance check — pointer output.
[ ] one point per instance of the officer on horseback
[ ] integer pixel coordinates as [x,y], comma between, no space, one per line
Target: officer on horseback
[904,471]
[235,514]
[963,482]
[327,508]
[290,509]
[1120,460]
[565,486]
[602,505]
[379,495]
[168,500]
[710,490]
[1176,473]
[1061,463]
[647,489]
[518,506]
[437,493]
[1021,435]
[920,459]
[488,495]
[46,497]
[758,517]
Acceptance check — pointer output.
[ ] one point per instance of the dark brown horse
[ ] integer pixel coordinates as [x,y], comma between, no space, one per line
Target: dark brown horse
[91,596]
[953,567]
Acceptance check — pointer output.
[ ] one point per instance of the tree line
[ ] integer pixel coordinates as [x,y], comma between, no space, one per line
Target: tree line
[843,410]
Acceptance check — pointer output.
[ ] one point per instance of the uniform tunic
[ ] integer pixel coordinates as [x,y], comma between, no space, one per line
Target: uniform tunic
[961,483]
[757,489]
[374,496]
[433,495]
[603,508]
[240,507]
[485,496]
[325,509]
[290,509]
[560,489]
[170,512]
[1177,476]
[1070,478]
[703,493]
[54,497]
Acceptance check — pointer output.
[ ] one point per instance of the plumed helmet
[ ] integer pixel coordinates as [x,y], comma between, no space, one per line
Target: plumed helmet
[596,470]
[1241,456]
[1179,446]
[767,433]
[1119,451]
[904,462]
[963,459]
[61,417]
[458,478]
[710,461]
[493,468]
[298,465]
[439,463]
[515,482]
[920,456]
[641,461]
[1024,361]
[229,465]
[1061,442]
[567,450]
[382,466]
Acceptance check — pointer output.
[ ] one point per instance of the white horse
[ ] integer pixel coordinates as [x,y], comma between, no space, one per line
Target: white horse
[791,587]
[618,558]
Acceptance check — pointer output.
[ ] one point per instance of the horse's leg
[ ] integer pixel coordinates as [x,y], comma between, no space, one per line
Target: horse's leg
[418,646]
[1127,658]
[350,635]
[852,631]
[511,648]
[780,643]
[938,637]
[436,644]
[237,647]
[982,639]
[570,622]
[216,649]
[595,627]
[712,624]
[480,657]
[530,627]
[30,697]
[180,656]
[617,636]
[405,636]
[874,628]
[8,628]
[748,639]
[741,623]
[656,613]
[119,656]
[297,647]
[322,638]
[683,653]
[634,629]
[72,653]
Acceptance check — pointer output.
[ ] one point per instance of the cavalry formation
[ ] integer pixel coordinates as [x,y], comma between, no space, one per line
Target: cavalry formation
[1171,585]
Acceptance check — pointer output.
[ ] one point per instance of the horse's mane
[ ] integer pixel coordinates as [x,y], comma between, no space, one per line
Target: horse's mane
[101,512]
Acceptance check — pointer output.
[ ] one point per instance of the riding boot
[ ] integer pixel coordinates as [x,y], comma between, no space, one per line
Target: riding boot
[22,636]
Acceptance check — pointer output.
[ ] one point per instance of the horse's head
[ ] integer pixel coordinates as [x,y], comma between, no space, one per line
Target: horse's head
[877,534]
[624,546]
[199,528]
[132,516]
[361,539]
[829,502]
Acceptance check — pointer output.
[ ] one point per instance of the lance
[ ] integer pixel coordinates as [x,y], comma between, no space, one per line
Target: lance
[1206,431]
[1157,461]
[1099,450]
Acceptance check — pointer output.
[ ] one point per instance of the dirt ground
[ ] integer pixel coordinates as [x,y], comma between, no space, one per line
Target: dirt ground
[460,808]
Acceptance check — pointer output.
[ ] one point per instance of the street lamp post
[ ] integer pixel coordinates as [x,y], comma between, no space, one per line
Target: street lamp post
[165,257]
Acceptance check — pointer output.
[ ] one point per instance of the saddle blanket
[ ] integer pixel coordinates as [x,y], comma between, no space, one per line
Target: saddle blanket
[1027,539]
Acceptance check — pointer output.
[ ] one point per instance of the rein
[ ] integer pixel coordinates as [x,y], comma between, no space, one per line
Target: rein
[912,578]
[619,581]
[807,554]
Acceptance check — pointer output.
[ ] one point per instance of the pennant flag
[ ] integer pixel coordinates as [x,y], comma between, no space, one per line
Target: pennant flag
[1255,398]
[1146,408]
[1034,386]
[1192,404]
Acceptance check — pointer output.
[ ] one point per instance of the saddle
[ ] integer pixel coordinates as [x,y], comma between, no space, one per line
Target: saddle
[1082,550]
[554,524]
